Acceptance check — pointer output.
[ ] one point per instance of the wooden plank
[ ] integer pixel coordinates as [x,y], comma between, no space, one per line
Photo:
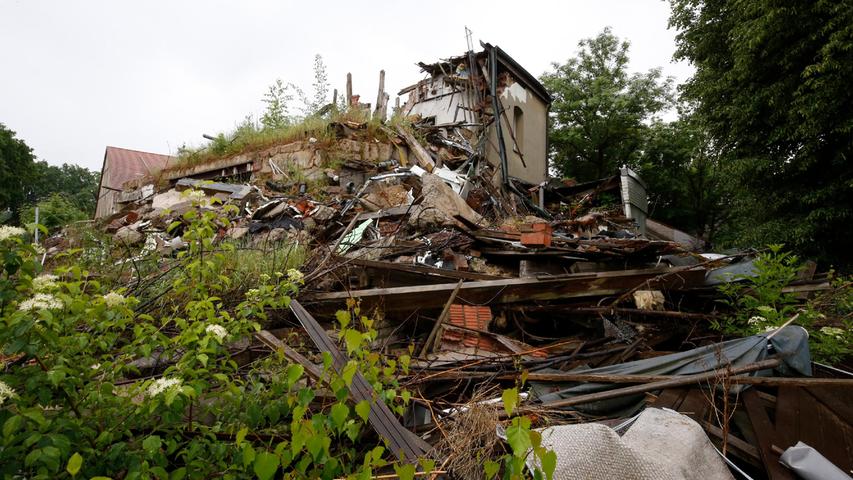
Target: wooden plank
[652,386]
[505,291]
[736,444]
[274,342]
[421,154]
[802,416]
[765,433]
[736,379]
[403,443]
[421,270]
[429,345]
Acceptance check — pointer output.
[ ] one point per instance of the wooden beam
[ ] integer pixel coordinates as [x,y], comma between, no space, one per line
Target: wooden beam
[506,291]
[349,90]
[381,98]
[275,343]
[737,380]
[436,328]
[421,154]
[403,443]
[658,385]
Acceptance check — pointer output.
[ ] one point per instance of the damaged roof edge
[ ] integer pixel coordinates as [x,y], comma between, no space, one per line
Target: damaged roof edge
[520,72]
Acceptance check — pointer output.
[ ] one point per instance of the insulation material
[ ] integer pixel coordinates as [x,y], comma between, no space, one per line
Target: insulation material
[660,445]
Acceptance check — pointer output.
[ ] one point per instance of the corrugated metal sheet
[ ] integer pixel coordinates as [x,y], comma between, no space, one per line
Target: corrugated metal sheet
[122,165]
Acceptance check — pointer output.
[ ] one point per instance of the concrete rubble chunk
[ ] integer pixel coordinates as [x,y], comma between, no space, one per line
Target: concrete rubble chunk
[440,205]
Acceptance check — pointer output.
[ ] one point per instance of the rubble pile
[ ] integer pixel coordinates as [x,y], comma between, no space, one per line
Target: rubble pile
[491,280]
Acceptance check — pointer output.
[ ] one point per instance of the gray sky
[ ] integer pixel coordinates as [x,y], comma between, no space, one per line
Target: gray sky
[152,75]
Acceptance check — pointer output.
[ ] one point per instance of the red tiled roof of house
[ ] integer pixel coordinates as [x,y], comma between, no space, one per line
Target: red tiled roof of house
[124,164]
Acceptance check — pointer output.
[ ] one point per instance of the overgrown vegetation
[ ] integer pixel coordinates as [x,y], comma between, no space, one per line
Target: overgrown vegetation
[68,192]
[278,124]
[761,304]
[92,387]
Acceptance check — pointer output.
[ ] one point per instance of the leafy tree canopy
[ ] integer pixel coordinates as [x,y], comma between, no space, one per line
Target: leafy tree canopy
[16,165]
[600,111]
[772,86]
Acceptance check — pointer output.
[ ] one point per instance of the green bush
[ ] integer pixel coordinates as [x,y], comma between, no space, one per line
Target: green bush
[76,400]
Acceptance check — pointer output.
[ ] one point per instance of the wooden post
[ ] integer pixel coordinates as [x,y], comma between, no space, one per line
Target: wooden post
[349,90]
[381,98]
[335,97]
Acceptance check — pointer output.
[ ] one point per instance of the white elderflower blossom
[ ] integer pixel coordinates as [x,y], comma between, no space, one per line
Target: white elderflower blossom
[44,282]
[161,385]
[833,332]
[195,195]
[114,299]
[40,301]
[295,276]
[770,328]
[755,320]
[6,392]
[217,331]
[7,231]
[38,248]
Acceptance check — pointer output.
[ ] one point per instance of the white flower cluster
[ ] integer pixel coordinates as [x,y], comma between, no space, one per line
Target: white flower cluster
[40,301]
[253,294]
[38,249]
[6,392]
[295,276]
[161,385]
[836,332]
[7,231]
[114,299]
[195,195]
[217,331]
[44,282]
[755,320]
[264,278]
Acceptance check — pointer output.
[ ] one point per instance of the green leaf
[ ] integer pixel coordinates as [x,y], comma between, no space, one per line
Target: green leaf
[349,371]
[294,373]
[74,464]
[265,465]
[491,468]
[352,338]
[339,414]
[510,399]
[362,408]
[11,425]
[549,464]
[343,318]
[152,444]
[241,435]
[518,438]
[202,358]
[405,471]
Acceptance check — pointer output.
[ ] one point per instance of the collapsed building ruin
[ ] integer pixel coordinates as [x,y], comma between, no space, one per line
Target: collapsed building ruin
[449,230]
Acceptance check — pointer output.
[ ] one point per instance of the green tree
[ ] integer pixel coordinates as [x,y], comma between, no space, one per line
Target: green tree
[16,165]
[55,210]
[77,184]
[682,168]
[277,97]
[600,111]
[772,85]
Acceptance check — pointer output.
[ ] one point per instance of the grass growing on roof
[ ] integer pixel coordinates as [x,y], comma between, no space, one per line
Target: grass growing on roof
[250,137]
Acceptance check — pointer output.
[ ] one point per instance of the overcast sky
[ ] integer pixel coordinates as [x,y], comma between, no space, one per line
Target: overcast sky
[152,75]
